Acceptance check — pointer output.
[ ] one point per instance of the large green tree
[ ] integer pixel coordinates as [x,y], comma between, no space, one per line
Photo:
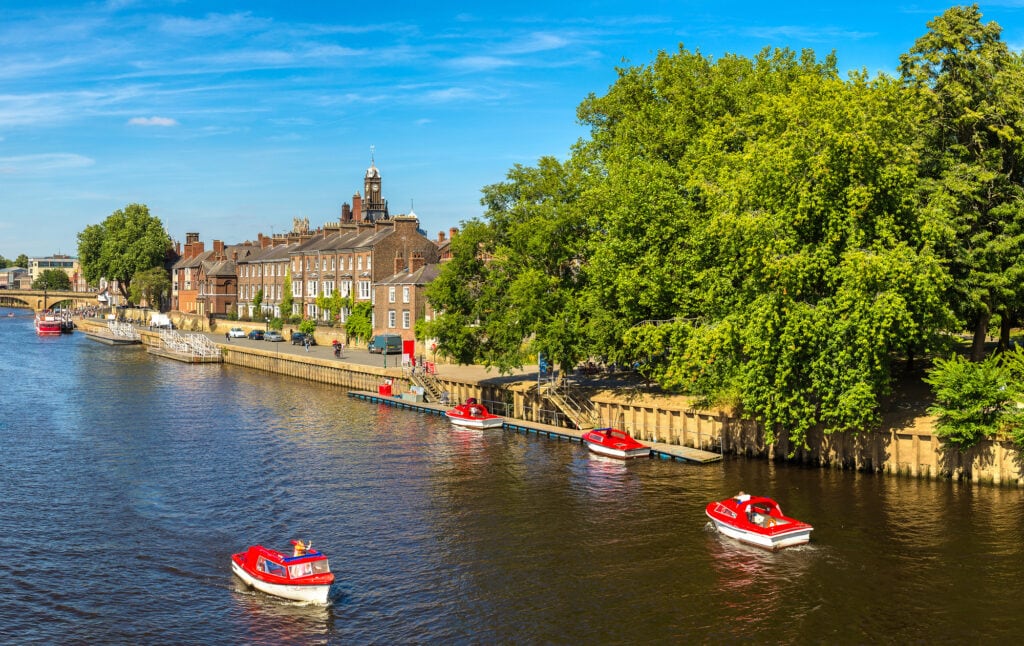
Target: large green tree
[128,242]
[52,279]
[152,286]
[972,87]
[510,290]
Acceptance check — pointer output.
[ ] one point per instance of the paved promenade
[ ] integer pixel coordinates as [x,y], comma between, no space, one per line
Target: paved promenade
[362,357]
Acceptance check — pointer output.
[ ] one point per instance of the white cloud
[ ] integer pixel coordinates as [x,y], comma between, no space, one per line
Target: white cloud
[163,122]
[481,63]
[42,163]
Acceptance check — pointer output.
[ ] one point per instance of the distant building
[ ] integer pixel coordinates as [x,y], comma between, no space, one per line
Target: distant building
[13,277]
[67,264]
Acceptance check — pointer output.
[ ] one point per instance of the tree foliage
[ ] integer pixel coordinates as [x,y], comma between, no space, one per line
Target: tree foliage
[52,279]
[152,286]
[287,298]
[759,232]
[360,322]
[973,399]
[972,88]
[130,241]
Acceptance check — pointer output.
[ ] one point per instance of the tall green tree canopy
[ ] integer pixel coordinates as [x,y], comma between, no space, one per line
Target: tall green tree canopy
[972,88]
[760,232]
[513,282]
[128,242]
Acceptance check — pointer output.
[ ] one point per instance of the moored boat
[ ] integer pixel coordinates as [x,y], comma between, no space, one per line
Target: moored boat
[615,443]
[48,323]
[303,576]
[757,520]
[473,414]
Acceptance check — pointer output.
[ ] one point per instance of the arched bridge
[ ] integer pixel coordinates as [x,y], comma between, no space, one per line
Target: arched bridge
[38,299]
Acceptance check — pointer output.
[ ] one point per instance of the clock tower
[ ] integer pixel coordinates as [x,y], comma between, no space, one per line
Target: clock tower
[374,205]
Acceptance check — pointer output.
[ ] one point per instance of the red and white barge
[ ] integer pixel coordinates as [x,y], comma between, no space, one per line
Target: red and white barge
[615,443]
[757,520]
[303,576]
[49,323]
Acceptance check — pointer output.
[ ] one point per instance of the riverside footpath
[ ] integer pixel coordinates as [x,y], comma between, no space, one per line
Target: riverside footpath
[906,445]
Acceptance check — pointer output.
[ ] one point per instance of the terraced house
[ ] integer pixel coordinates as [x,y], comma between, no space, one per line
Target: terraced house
[365,246]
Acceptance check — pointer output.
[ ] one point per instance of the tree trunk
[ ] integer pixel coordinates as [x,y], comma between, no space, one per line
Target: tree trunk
[980,332]
[1004,331]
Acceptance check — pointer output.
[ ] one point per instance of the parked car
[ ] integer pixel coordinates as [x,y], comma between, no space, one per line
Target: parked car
[256,335]
[299,338]
[236,333]
[273,335]
[386,343]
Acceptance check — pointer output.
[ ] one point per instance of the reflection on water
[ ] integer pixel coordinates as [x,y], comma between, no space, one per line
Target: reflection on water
[141,476]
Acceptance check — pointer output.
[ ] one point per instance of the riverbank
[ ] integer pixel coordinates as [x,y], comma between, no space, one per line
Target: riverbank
[905,446]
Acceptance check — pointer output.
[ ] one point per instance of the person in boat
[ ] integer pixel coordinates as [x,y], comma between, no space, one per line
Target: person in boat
[742,497]
[301,548]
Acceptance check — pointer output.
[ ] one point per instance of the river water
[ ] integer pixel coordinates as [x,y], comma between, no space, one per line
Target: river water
[128,481]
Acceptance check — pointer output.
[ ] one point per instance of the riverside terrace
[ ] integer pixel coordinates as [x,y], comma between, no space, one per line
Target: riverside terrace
[515,396]
[906,443]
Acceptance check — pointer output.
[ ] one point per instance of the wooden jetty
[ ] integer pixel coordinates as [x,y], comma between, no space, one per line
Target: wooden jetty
[658,449]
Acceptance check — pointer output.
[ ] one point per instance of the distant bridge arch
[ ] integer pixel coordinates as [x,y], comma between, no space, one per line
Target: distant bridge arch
[39,299]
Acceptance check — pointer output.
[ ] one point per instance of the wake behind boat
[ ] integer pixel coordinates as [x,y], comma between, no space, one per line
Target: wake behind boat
[474,415]
[615,443]
[303,576]
[757,520]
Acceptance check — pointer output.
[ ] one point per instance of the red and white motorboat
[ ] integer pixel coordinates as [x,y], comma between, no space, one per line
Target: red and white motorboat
[48,324]
[615,443]
[303,576]
[474,415]
[757,520]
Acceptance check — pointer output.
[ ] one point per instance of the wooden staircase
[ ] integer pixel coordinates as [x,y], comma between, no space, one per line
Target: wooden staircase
[432,389]
[579,412]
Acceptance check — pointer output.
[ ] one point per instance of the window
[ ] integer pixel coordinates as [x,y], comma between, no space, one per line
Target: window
[392,318]
[346,288]
[350,263]
[312,289]
[364,289]
[406,319]
[391,294]
[332,263]
[369,262]
[298,288]
[405,293]
[359,264]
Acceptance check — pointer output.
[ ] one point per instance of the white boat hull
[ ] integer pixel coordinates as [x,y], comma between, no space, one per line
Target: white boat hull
[621,454]
[477,422]
[305,593]
[776,541]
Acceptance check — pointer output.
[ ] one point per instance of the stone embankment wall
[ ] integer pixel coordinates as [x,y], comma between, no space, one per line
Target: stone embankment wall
[907,445]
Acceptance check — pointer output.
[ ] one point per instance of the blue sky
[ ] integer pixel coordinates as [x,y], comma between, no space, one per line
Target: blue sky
[230,119]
